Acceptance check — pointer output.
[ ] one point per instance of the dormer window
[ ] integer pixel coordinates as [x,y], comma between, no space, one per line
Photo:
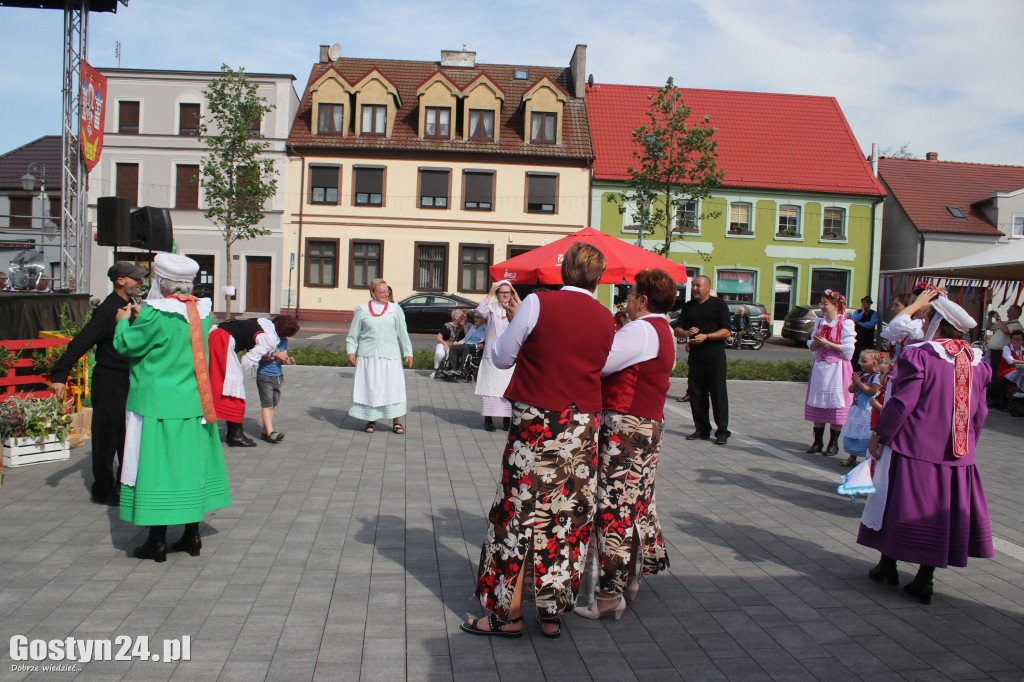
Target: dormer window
[330,118]
[481,124]
[543,125]
[437,122]
[374,119]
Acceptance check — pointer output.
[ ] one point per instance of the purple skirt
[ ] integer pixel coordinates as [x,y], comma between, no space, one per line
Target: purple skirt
[935,515]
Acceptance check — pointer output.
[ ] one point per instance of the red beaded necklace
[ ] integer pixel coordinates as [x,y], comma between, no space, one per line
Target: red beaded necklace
[370,308]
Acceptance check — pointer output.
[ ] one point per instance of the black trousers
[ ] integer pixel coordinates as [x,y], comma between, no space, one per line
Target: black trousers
[997,389]
[109,396]
[707,386]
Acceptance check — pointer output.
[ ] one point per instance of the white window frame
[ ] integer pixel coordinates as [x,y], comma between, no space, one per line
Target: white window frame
[1016,233]
[749,233]
[778,222]
[845,227]
[696,218]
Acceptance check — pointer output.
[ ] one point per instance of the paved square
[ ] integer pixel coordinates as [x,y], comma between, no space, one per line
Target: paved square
[353,556]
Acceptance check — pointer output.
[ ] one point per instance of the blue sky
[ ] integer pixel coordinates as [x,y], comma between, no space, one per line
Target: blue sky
[935,75]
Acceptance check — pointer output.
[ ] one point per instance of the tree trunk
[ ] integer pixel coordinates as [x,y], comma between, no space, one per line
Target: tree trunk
[230,279]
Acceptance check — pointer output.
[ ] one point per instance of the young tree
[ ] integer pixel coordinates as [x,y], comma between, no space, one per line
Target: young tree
[236,178]
[678,164]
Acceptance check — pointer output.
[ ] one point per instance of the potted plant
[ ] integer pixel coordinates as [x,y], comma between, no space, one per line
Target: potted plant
[34,430]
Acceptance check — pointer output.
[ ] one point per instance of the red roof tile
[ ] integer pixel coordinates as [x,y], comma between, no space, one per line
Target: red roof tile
[766,141]
[925,188]
[46,151]
[407,76]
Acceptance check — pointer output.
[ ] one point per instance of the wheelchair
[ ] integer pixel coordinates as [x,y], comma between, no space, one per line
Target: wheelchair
[467,373]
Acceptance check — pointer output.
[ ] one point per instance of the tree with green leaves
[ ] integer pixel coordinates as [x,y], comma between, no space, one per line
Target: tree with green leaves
[678,166]
[237,179]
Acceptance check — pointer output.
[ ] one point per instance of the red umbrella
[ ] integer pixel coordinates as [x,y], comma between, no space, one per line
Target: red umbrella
[543,265]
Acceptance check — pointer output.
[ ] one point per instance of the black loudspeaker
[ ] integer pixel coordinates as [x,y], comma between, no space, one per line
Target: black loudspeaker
[113,221]
[152,229]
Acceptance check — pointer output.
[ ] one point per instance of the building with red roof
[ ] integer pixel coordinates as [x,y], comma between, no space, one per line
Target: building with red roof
[30,219]
[426,173]
[936,210]
[799,209]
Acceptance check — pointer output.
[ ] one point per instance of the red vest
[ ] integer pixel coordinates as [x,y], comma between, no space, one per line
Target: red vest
[641,389]
[1005,367]
[560,362]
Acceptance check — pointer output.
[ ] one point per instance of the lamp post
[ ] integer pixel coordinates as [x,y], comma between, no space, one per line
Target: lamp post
[28,183]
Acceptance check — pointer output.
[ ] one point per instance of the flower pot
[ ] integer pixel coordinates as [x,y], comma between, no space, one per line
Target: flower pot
[23,451]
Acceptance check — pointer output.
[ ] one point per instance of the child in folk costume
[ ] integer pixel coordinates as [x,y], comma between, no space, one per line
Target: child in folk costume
[885,366]
[828,399]
[857,429]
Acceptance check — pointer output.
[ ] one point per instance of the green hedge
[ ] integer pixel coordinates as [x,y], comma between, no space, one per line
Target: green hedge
[750,370]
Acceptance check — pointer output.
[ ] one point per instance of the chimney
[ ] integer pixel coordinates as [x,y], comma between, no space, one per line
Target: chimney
[578,71]
[323,54]
[458,58]
[932,156]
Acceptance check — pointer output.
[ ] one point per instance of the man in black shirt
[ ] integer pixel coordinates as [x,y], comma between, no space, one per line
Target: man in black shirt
[705,323]
[109,381]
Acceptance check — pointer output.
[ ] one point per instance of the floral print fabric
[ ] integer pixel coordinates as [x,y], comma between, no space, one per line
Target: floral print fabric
[626,511]
[545,503]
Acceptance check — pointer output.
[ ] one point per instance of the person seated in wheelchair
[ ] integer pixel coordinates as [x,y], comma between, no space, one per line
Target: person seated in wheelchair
[461,353]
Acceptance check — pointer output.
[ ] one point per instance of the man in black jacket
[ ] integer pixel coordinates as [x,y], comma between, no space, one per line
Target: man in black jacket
[109,381]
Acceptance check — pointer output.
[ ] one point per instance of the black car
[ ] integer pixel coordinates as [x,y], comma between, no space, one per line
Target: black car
[427,313]
[799,323]
[754,311]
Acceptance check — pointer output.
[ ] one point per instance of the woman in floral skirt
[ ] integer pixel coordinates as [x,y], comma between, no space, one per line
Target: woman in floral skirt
[636,381]
[542,515]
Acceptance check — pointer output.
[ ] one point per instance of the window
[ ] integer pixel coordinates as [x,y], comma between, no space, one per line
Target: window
[321,262]
[686,218]
[789,221]
[369,186]
[436,122]
[824,278]
[374,119]
[481,124]
[21,212]
[330,118]
[188,119]
[364,263]
[126,182]
[1018,226]
[186,187]
[956,212]
[434,188]
[128,118]
[737,285]
[739,219]
[478,190]
[541,193]
[431,267]
[323,184]
[475,260]
[833,224]
[202,284]
[542,127]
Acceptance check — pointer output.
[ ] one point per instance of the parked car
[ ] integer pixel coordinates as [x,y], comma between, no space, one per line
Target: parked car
[757,313]
[427,313]
[799,323]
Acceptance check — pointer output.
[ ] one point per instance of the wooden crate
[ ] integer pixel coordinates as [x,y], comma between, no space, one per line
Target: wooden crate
[24,451]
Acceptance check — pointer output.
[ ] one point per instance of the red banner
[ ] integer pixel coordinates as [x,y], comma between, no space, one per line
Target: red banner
[92,110]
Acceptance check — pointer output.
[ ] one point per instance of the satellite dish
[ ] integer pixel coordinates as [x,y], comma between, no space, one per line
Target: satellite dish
[334,52]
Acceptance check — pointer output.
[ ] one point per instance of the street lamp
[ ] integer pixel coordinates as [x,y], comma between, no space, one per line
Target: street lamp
[28,183]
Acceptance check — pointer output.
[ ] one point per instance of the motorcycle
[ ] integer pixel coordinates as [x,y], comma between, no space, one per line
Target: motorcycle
[753,339]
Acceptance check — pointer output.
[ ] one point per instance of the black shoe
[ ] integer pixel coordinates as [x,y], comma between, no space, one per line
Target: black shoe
[886,572]
[507,423]
[188,543]
[684,399]
[816,447]
[921,590]
[109,499]
[240,440]
[832,449]
[157,551]
[697,435]
[488,424]
[721,439]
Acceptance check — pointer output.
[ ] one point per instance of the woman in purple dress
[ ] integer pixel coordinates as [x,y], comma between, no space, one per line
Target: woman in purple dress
[929,506]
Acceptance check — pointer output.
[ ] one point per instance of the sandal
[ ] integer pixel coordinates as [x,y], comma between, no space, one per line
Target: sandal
[551,621]
[848,462]
[371,427]
[398,428]
[494,624]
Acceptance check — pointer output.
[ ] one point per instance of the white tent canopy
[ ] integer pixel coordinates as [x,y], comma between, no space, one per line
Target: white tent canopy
[1003,262]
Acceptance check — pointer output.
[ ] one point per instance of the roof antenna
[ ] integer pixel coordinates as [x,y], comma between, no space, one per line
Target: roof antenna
[463,47]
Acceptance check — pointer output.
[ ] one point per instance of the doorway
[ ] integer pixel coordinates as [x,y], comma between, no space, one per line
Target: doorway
[257,284]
